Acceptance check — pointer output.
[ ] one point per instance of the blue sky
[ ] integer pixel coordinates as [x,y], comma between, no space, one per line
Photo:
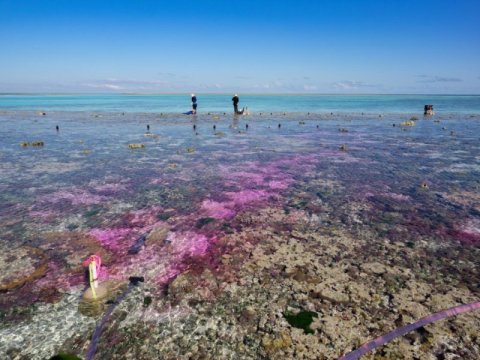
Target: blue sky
[246,46]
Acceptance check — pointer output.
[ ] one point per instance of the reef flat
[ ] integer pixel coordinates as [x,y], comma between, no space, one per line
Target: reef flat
[279,236]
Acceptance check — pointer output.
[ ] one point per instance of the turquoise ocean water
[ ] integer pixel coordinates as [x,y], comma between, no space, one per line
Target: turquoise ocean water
[255,103]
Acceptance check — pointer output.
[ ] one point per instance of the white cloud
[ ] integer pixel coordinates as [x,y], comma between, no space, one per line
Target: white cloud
[307,87]
[438,79]
[103,86]
[351,85]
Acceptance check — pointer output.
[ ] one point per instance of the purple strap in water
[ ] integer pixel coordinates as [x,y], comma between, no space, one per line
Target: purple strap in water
[365,348]
[134,281]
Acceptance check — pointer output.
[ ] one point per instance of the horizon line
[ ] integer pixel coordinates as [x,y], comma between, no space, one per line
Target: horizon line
[229,94]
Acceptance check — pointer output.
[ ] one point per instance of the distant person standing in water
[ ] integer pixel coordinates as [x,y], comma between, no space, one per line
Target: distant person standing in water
[235,100]
[194,104]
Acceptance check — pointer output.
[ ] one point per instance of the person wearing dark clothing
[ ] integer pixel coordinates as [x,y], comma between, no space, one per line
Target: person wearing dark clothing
[194,104]
[235,100]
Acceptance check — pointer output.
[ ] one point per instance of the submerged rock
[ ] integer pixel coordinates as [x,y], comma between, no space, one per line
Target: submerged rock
[20,266]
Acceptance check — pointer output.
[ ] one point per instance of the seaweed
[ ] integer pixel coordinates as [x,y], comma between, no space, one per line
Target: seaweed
[147,300]
[164,216]
[204,221]
[92,212]
[63,356]
[301,320]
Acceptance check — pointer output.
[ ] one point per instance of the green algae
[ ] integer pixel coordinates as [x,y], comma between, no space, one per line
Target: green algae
[301,320]
[164,216]
[62,356]
[227,228]
[147,300]
[72,227]
[93,212]
[204,221]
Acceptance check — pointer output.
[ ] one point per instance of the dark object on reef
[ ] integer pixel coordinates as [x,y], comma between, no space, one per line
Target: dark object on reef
[204,221]
[135,280]
[214,127]
[301,320]
[317,126]
[424,185]
[147,300]
[63,356]
[343,130]
[138,245]
[194,127]
[148,127]
[344,147]
[428,110]
[246,126]
[382,340]
[279,126]
[57,128]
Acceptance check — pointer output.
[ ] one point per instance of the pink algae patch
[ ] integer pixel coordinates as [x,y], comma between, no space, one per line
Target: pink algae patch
[188,243]
[45,214]
[469,233]
[110,188]
[251,178]
[398,197]
[144,217]
[217,210]
[112,239]
[75,196]
[247,196]
[279,185]
[182,245]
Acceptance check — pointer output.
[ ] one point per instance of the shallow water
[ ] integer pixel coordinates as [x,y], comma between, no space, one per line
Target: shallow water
[85,191]
[465,104]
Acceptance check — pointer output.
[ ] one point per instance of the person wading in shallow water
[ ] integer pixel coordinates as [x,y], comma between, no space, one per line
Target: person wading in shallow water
[235,100]
[194,104]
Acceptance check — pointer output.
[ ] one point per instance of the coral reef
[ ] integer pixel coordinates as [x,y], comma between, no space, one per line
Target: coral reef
[252,244]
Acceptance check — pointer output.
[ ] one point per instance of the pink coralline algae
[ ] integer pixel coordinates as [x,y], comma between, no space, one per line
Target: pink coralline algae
[279,185]
[244,197]
[107,189]
[394,196]
[217,210]
[243,177]
[44,215]
[112,239]
[75,196]
[187,244]
[237,200]
[182,246]
[469,233]
[144,217]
